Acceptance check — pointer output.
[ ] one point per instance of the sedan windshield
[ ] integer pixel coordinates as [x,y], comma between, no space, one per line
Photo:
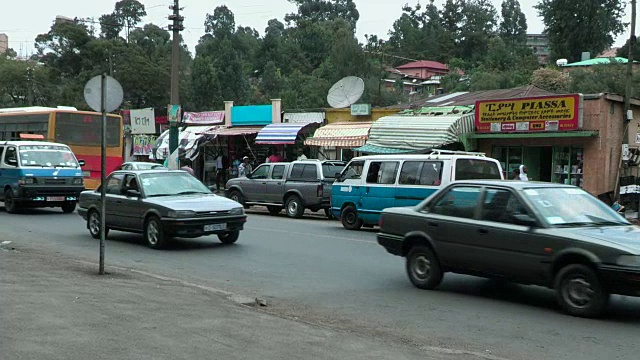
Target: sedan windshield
[47,156]
[567,207]
[171,183]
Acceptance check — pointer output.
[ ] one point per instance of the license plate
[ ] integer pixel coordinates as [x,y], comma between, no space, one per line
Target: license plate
[215,227]
[55,198]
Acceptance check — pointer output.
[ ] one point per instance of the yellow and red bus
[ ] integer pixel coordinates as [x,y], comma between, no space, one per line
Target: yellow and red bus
[80,130]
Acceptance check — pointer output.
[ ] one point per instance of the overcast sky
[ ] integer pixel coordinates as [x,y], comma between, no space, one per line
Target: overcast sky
[23,20]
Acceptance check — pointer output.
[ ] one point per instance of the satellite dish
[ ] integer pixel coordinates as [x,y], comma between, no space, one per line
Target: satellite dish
[345,92]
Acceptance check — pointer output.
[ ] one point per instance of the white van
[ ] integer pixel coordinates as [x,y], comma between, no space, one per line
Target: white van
[370,184]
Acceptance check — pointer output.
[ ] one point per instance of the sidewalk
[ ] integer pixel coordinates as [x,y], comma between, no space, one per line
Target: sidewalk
[57,308]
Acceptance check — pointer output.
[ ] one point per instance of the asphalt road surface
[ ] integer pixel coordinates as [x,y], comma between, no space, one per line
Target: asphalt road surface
[313,270]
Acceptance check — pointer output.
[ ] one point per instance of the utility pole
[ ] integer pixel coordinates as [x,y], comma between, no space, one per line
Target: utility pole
[176,27]
[30,85]
[630,62]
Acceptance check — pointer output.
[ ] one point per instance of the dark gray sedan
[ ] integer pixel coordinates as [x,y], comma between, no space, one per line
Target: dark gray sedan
[162,204]
[557,236]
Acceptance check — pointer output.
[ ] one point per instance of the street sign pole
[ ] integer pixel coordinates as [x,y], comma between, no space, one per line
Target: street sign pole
[103,94]
[103,172]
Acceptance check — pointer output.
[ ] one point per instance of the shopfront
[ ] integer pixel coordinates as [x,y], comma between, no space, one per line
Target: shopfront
[336,141]
[567,139]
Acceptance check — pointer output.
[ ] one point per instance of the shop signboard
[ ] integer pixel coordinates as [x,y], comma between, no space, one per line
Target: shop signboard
[203,118]
[143,121]
[142,144]
[361,109]
[535,114]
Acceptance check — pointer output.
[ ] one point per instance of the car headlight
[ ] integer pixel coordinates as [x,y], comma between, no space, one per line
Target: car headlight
[26,180]
[237,211]
[78,181]
[629,260]
[181,213]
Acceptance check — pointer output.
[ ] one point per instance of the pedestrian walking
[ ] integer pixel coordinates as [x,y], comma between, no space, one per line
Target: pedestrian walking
[221,172]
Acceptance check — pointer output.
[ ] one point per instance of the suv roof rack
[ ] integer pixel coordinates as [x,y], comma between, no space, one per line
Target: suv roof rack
[453,152]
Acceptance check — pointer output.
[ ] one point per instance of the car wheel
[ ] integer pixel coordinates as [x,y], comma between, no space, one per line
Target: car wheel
[295,209]
[580,292]
[350,219]
[229,237]
[93,223]
[423,268]
[274,210]
[329,214]
[10,204]
[236,196]
[69,207]
[154,233]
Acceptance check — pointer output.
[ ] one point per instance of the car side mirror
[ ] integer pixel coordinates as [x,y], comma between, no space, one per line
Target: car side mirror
[248,175]
[338,177]
[133,193]
[524,219]
[81,162]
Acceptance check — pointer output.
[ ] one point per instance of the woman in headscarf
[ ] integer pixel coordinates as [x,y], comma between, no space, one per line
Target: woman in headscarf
[523,173]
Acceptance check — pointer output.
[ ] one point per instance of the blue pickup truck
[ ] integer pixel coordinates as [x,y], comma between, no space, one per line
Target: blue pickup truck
[39,174]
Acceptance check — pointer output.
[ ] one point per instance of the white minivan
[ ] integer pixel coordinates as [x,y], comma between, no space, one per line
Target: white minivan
[370,184]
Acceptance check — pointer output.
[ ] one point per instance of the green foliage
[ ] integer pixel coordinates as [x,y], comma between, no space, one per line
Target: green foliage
[577,26]
[551,79]
[513,27]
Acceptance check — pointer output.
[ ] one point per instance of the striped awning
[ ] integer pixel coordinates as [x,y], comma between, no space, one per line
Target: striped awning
[236,131]
[341,134]
[419,133]
[372,149]
[279,134]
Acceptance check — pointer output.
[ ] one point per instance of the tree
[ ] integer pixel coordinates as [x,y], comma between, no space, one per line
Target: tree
[129,13]
[624,51]
[451,18]
[551,79]
[10,53]
[513,27]
[221,24]
[272,82]
[577,26]
[110,26]
[324,10]
[477,28]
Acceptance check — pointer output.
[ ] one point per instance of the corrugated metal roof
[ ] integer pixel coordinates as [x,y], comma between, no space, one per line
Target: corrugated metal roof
[235,131]
[416,133]
[341,134]
[470,98]
[372,149]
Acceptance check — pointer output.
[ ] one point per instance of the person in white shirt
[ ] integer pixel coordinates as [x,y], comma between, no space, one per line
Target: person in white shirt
[244,168]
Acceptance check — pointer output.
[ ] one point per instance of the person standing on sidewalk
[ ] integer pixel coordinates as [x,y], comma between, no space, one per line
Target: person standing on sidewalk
[245,168]
[221,171]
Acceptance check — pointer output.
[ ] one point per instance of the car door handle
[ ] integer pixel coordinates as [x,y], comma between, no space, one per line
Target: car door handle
[483,231]
[433,224]
[264,183]
[279,183]
[119,202]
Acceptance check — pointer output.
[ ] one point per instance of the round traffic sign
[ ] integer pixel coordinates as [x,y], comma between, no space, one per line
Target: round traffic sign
[93,93]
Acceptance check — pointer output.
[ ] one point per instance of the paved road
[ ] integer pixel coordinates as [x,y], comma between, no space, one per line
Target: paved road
[314,270]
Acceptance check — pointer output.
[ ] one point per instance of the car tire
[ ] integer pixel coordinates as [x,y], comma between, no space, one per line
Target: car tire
[580,292]
[10,204]
[154,234]
[329,214]
[236,196]
[229,237]
[350,219]
[93,224]
[295,208]
[69,207]
[423,268]
[274,210]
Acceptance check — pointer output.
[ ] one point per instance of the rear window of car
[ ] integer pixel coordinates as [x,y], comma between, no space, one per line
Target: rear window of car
[329,171]
[477,169]
[304,172]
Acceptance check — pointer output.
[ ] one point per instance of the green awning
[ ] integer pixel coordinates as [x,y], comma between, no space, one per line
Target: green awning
[524,135]
[373,149]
